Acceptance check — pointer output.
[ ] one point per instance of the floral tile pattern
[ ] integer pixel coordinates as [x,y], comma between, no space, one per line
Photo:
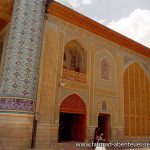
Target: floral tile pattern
[21,68]
[17,105]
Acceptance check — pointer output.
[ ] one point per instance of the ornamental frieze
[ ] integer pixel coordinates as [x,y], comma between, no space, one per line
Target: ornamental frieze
[15,104]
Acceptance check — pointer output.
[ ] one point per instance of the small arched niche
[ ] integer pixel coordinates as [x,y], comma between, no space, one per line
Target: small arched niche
[74,62]
[74,57]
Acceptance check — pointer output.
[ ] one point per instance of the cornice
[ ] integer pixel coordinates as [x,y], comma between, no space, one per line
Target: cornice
[90,25]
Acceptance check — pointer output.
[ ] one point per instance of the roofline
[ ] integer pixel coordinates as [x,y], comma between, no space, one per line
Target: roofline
[86,23]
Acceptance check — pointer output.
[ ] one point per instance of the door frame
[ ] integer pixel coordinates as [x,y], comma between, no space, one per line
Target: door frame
[107,122]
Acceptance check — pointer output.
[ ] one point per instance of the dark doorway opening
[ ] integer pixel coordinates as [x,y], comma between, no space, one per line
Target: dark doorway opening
[103,124]
[71,127]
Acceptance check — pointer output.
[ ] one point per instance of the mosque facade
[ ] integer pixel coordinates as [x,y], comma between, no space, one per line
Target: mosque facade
[63,75]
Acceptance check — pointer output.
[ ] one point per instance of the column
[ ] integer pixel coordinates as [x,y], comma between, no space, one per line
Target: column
[19,82]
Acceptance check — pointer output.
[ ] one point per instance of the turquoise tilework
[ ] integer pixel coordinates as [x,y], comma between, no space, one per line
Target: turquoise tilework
[20,73]
[21,67]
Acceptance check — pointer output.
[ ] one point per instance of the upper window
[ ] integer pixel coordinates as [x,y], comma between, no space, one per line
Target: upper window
[105,69]
[75,57]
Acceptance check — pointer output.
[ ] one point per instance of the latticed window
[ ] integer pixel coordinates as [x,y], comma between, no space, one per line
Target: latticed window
[105,69]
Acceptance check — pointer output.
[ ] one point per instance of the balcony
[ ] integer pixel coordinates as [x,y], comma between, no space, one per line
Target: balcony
[73,76]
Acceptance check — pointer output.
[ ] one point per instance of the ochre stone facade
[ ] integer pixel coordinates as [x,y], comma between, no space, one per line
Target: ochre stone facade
[53,88]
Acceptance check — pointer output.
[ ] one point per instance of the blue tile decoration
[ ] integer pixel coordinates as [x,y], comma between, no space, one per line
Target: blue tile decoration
[13,104]
[21,67]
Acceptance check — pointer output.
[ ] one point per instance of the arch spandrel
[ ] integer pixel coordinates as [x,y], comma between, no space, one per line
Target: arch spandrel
[141,66]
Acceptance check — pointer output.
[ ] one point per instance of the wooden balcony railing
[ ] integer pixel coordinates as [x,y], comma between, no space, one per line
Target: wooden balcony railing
[74,76]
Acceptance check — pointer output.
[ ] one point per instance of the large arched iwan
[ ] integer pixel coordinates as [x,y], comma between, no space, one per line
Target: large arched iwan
[72,120]
[136,102]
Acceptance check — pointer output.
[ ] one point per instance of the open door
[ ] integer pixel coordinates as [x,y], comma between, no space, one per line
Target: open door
[103,123]
[72,119]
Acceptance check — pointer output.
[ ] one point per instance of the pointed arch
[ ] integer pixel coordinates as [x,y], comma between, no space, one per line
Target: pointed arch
[136,101]
[98,109]
[98,106]
[73,104]
[138,63]
[105,66]
[107,53]
[76,57]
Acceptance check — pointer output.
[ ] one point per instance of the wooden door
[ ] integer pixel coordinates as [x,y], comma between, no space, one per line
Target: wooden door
[103,124]
[74,105]
[79,127]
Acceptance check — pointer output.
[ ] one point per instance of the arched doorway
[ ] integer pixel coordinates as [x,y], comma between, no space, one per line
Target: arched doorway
[103,117]
[103,124]
[72,121]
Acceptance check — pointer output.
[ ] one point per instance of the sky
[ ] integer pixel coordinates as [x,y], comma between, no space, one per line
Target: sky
[128,17]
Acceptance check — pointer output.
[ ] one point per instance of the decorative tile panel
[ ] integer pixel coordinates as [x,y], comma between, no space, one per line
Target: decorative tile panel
[14,104]
[21,68]
[127,60]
